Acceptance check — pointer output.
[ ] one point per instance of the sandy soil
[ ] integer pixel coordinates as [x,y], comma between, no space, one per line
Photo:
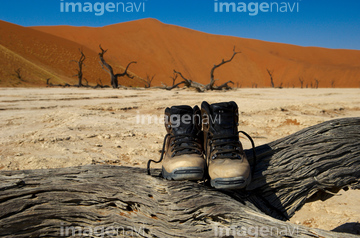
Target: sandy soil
[56,127]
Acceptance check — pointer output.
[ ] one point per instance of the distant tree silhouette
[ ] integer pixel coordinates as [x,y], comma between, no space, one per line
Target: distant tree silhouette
[316,83]
[270,72]
[80,64]
[18,74]
[333,83]
[301,79]
[108,68]
[149,80]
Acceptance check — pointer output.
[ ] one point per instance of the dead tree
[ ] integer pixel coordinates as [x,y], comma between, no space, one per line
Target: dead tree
[49,84]
[149,80]
[18,74]
[174,77]
[108,68]
[314,163]
[211,86]
[333,83]
[316,83]
[270,72]
[301,79]
[80,64]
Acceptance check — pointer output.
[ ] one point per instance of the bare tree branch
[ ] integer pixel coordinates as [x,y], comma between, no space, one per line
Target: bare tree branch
[109,69]
[126,71]
[174,77]
[210,86]
[201,87]
[224,86]
[191,84]
[149,80]
[172,87]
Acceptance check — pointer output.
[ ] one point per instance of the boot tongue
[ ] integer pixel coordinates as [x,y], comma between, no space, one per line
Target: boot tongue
[223,119]
[181,119]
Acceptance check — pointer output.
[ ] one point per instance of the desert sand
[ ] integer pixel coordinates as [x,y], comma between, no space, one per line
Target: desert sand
[56,127]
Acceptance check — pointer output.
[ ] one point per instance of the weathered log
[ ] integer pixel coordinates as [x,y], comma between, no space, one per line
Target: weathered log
[101,201]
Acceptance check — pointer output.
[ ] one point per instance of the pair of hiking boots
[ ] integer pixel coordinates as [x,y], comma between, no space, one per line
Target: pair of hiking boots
[204,143]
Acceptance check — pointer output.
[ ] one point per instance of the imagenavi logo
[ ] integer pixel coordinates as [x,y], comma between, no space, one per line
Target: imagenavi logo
[253,8]
[100,8]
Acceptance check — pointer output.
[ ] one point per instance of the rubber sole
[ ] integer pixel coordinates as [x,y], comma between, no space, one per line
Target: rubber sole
[184,173]
[230,183]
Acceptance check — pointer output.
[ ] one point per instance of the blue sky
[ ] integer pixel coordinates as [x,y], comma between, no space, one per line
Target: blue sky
[323,23]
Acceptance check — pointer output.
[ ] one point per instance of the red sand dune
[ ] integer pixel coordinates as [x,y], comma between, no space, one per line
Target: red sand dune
[159,48]
[41,56]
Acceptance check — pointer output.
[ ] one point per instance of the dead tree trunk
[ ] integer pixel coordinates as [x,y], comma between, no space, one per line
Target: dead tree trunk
[109,69]
[270,72]
[301,79]
[80,64]
[125,201]
[317,83]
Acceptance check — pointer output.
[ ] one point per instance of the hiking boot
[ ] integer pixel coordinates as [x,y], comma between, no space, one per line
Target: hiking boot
[183,146]
[228,166]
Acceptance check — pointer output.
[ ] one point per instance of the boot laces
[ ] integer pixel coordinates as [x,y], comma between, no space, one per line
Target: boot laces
[225,147]
[230,147]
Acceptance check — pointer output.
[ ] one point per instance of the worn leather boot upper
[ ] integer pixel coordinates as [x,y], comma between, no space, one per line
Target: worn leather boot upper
[183,157]
[228,167]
